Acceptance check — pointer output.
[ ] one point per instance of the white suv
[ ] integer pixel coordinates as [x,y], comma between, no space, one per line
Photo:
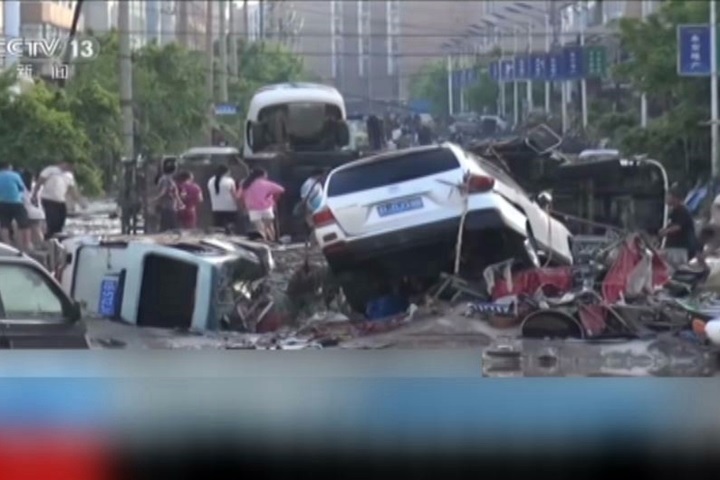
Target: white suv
[400,211]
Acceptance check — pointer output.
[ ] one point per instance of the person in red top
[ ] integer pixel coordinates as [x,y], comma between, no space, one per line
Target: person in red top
[191,196]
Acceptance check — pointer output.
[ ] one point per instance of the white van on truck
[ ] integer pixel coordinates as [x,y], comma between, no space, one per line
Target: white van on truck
[295,116]
[292,130]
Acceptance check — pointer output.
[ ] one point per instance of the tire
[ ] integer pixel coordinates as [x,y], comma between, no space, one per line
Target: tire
[552,324]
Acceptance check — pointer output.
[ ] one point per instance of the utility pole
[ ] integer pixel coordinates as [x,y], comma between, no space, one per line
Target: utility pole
[234,67]
[210,77]
[126,96]
[643,96]
[246,20]
[222,40]
[261,6]
[714,127]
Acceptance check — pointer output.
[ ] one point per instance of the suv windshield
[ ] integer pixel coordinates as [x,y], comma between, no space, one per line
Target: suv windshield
[25,293]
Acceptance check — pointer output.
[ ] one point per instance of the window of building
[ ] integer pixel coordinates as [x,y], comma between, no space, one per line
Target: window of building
[363,56]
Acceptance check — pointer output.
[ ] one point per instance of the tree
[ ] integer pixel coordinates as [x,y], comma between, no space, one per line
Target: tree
[431,84]
[171,106]
[675,137]
[40,133]
[263,64]
[483,95]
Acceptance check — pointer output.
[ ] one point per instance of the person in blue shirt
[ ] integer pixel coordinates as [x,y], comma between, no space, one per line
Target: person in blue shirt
[12,206]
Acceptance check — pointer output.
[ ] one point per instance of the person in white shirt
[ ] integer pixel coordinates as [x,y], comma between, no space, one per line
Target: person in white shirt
[36,215]
[222,189]
[57,183]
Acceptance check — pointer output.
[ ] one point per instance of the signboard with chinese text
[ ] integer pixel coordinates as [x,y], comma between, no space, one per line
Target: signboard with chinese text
[522,69]
[573,62]
[595,62]
[538,67]
[693,50]
[507,70]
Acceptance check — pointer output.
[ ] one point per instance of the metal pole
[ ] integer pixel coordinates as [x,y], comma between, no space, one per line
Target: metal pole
[246,21]
[234,67]
[450,84]
[564,90]
[643,96]
[126,94]
[529,82]
[222,41]
[210,74]
[714,127]
[548,44]
[583,82]
[503,84]
[516,92]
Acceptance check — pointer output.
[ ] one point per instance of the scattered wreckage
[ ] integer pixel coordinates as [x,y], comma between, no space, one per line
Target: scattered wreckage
[540,290]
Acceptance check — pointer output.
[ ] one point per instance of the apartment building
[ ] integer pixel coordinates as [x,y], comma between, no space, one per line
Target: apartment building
[100,15]
[191,23]
[371,49]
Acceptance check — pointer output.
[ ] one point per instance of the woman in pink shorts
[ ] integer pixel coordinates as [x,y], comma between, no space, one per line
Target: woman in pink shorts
[259,195]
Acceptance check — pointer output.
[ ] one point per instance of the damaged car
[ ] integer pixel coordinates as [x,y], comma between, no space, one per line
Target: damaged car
[398,215]
[34,311]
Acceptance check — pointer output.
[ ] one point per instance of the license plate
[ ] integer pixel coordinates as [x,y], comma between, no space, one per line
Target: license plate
[393,208]
[108,297]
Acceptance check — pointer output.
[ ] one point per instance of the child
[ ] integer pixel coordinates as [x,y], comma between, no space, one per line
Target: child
[35,213]
[191,196]
[259,196]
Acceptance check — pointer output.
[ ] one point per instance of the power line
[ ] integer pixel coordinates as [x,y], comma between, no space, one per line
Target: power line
[521,34]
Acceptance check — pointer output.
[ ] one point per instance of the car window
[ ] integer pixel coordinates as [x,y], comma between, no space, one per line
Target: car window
[393,169]
[24,292]
[496,172]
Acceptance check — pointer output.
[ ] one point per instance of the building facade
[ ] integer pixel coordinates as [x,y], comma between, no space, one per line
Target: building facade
[371,49]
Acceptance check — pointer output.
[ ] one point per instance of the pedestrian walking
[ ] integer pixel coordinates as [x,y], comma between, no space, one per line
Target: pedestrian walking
[12,209]
[35,213]
[222,191]
[191,197]
[167,202]
[680,231]
[259,196]
[55,185]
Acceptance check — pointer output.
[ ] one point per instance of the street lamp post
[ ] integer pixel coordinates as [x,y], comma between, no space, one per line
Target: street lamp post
[529,82]
[516,90]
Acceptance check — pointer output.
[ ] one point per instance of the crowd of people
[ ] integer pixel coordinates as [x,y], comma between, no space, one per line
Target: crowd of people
[179,197]
[35,208]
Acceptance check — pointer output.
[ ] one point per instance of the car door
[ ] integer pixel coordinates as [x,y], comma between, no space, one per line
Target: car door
[34,312]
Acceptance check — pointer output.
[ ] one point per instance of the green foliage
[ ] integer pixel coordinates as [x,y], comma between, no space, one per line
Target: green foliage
[430,83]
[171,106]
[676,137]
[483,95]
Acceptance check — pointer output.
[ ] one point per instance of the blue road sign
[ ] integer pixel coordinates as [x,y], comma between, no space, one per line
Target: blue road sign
[693,57]
[494,71]
[225,109]
[574,62]
[555,66]
[507,70]
[456,81]
[522,69]
[538,67]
